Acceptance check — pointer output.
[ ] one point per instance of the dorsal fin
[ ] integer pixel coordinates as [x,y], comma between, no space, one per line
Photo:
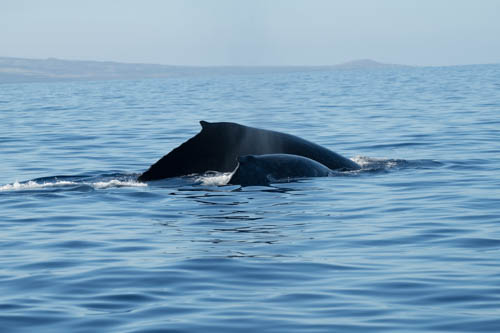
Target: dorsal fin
[204,124]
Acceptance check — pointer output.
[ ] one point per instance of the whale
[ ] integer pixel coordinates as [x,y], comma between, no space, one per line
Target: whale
[218,145]
[262,170]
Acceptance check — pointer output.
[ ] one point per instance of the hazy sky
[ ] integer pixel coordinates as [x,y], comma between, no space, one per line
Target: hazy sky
[253,32]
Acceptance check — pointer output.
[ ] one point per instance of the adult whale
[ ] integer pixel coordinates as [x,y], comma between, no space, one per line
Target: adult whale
[266,169]
[218,145]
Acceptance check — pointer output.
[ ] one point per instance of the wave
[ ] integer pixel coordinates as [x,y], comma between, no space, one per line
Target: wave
[31,185]
[371,164]
[213,178]
[54,182]
[118,183]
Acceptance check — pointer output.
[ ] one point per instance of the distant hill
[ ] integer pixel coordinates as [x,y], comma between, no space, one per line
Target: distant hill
[365,64]
[51,69]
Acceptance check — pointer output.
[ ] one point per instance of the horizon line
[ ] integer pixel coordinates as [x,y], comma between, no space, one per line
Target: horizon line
[346,63]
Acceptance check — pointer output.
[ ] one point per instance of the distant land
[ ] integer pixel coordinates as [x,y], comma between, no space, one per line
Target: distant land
[41,70]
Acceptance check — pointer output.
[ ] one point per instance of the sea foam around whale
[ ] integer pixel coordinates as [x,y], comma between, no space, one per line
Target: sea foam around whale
[34,185]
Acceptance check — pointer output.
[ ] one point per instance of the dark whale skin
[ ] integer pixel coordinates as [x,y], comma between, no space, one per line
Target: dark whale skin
[265,169]
[218,145]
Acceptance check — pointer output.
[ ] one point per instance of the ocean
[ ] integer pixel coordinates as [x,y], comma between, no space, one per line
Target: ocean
[411,243]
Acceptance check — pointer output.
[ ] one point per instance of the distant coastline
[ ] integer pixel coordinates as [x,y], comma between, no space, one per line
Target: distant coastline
[14,70]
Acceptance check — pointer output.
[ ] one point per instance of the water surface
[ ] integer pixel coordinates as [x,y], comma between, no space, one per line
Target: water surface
[409,244]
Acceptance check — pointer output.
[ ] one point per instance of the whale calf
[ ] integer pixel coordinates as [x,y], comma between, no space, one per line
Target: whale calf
[218,145]
[270,168]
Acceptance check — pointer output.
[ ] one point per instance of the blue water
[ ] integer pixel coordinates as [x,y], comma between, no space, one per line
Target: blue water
[411,243]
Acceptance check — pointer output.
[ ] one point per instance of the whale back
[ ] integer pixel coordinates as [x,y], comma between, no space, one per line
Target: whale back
[217,146]
[265,169]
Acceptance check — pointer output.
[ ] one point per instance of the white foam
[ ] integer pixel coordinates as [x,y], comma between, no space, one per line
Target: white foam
[32,185]
[117,183]
[376,163]
[216,179]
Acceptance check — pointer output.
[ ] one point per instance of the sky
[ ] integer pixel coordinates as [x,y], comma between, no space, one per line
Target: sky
[253,32]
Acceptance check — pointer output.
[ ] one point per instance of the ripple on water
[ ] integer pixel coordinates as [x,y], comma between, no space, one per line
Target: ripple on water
[408,243]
